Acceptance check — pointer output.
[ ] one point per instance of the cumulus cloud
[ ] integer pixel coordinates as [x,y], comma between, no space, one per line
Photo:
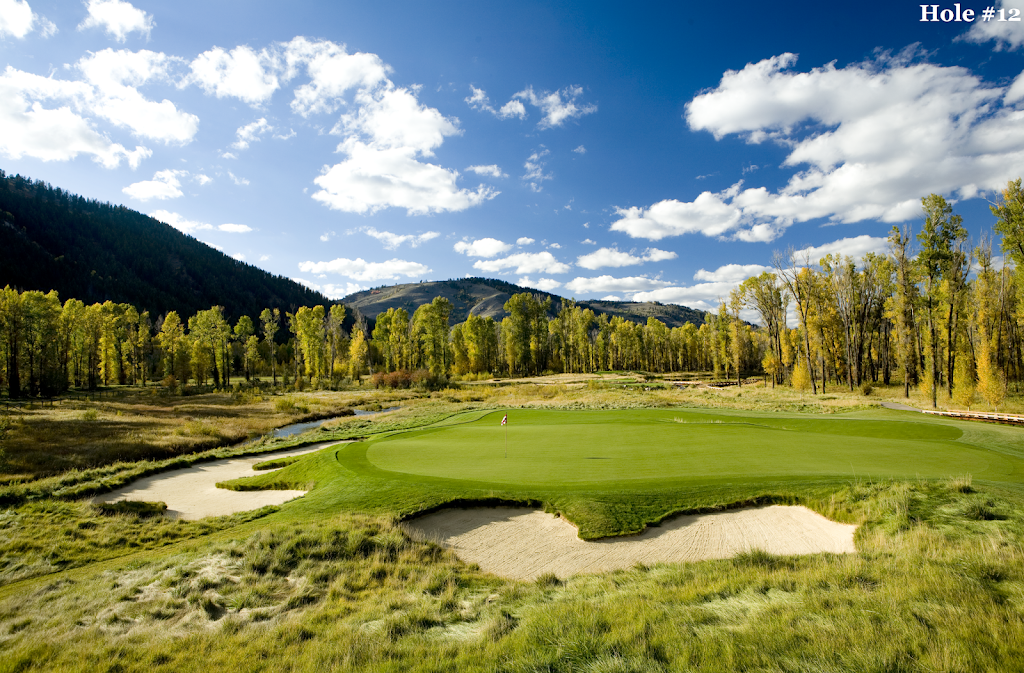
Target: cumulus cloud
[614,257]
[627,285]
[482,247]
[525,240]
[331,290]
[385,138]
[52,119]
[706,295]
[178,222]
[203,180]
[54,134]
[524,263]
[115,77]
[332,73]
[251,133]
[358,269]
[478,100]
[238,256]
[557,107]
[535,174]
[241,73]
[1007,35]
[513,108]
[868,139]
[542,284]
[164,185]
[392,241]
[235,228]
[492,170]
[16,18]
[117,18]
[580,150]
[855,247]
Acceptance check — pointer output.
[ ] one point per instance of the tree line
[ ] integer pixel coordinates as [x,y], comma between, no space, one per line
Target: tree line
[934,312]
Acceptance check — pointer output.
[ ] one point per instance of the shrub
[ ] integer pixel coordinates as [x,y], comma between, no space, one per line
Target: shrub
[137,507]
[284,404]
[865,389]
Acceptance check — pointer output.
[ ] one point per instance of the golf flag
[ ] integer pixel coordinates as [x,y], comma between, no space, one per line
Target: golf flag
[504,420]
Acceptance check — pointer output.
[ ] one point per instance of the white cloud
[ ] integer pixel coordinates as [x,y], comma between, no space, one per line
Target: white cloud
[372,179]
[580,150]
[482,247]
[587,241]
[178,222]
[557,106]
[555,246]
[116,76]
[239,256]
[241,182]
[627,285]
[870,138]
[117,18]
[525,240]
[611,297]
[164,185]
[241,73]
[491,170]
[227,155]
[264,258]
[856,247]
[392,241]
[524,263]
[330,290]
[327,235]
[251,133]
[708,214]
[542,284]
[235,228]
[359,269]
[386,135]
[203,180]
[535,174]
[219,248]
[332,72]
[731,273]
[614,257]
[705,295]
[1006,34]
[479,100]
[513,108]
[285,136]
[16,18]
[54,134]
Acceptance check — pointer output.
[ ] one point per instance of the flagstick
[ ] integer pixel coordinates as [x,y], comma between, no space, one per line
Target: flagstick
[506,440]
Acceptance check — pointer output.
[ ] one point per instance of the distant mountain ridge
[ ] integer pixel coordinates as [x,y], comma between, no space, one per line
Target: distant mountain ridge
[51,239]
[487,296]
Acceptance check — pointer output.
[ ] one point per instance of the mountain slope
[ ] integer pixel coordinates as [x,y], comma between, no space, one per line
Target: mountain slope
[53,240]
[487,296]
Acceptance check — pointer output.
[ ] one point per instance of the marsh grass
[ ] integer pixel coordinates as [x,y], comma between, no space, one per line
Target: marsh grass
[354,593]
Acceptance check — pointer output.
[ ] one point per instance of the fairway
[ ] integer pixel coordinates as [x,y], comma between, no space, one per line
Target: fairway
[636,448]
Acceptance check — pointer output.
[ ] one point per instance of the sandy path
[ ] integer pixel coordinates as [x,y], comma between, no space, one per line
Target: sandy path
[525,543]
[191,492]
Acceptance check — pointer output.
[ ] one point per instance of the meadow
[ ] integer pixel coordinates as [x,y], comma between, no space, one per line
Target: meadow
[331,581]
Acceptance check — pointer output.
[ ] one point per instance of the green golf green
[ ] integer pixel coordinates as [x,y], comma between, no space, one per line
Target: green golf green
[636,448]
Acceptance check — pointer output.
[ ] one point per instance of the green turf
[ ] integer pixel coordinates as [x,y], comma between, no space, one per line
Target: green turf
[613,472]
[637,448]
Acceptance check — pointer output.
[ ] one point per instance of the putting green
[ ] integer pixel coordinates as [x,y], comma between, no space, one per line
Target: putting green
[642,448]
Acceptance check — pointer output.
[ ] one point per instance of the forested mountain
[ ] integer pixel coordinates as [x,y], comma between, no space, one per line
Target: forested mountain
[486,297]
[53,240]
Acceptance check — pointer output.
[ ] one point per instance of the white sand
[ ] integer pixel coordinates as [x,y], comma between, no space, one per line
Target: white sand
[191,492]
[524,543]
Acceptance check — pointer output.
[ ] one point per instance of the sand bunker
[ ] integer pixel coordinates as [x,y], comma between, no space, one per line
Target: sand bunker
[191,493]
[524,543]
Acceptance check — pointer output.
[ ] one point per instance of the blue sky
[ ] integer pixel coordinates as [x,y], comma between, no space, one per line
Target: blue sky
[650,151]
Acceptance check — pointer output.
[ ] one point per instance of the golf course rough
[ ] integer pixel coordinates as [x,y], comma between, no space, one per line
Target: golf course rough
[636,449]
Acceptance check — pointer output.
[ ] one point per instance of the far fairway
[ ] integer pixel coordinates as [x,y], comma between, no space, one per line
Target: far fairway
[636,449]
